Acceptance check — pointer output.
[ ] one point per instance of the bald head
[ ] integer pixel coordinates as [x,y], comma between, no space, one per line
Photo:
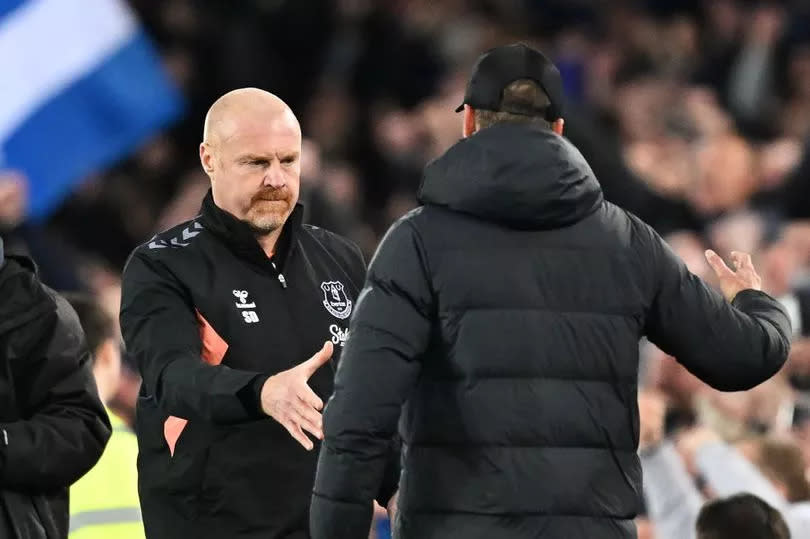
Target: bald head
[233,110]
[251,150]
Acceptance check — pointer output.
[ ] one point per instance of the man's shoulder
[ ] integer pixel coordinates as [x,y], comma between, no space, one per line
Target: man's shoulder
[426,223]
[428,217]
[172,250]
[177,237]
[66,315]
[421,217]
[334,243]
[641,235]
[25,298]
[176,243]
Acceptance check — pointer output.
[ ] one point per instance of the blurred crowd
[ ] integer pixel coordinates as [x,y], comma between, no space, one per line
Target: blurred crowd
[695,115]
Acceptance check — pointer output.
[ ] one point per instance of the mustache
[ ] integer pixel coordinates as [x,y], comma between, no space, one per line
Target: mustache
[281,194]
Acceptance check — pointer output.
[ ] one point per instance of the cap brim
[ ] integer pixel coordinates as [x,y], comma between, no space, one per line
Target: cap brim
[460,108]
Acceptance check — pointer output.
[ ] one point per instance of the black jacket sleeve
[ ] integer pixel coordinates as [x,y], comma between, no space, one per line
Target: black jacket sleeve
[730,346]
[63,427]
[388,334]
[356,265]
[161,332]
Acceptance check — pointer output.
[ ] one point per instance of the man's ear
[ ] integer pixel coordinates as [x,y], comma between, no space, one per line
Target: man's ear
[469,120]
[557,126]
[206,158]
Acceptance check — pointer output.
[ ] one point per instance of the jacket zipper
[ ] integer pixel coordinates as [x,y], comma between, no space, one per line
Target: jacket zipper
[280,275]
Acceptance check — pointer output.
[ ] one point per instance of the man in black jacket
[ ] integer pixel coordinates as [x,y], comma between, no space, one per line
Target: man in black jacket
[506,314]
[220,313]
[53,427]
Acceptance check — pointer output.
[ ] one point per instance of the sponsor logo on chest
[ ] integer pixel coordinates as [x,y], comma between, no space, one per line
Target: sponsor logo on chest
[339,335]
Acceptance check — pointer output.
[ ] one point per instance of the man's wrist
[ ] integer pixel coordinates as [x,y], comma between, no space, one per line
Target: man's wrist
[251,396]
[258,385]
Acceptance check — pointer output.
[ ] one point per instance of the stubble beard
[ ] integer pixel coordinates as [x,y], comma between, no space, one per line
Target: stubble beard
[265,221]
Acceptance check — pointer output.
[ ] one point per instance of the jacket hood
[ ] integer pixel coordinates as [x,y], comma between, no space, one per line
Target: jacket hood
[518,175]
[24,298]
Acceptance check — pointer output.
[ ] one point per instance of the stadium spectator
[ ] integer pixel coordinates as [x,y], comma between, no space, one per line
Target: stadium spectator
[743,516]
[104,502]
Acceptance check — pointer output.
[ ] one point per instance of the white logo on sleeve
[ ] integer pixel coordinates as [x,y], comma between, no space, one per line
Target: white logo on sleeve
[249,316]
[335,299]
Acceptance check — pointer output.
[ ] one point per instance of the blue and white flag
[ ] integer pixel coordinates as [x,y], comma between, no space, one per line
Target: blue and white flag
[81,86]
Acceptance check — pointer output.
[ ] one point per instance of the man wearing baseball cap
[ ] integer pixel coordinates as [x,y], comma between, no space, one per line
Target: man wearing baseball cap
[505,315]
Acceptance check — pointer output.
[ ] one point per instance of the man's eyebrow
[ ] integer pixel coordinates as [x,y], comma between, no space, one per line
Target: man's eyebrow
[253,157]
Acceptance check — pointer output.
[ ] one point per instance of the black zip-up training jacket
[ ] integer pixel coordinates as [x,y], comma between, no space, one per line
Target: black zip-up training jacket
[208,317]
[506,313]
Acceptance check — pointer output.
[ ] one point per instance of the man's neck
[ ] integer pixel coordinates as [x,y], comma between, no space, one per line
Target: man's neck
[268,241]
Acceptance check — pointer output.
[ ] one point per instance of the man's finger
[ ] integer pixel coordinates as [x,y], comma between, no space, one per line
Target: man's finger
[315,362]
[310,416]
[309,424]
[742,260]
[309,397]
[718,265]
[296,432]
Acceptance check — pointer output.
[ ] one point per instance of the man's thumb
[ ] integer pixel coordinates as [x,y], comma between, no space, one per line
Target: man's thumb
[326,351]
[320,357]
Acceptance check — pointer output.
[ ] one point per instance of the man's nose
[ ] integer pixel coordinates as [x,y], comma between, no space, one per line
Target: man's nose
[274,177]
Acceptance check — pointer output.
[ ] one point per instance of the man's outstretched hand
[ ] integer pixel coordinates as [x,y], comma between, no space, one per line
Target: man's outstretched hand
[732,282]
[287,398]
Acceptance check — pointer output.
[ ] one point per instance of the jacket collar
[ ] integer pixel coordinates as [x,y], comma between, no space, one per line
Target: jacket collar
[521,176]
[239,237]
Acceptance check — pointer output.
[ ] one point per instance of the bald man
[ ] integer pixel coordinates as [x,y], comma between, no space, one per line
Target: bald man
[236,319]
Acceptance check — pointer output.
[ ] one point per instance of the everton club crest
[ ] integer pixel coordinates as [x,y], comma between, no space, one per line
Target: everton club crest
[335,299]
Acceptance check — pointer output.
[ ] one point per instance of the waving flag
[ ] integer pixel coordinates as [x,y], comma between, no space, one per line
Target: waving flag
[80,87]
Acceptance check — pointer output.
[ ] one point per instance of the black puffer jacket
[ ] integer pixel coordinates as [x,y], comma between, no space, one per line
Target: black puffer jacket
[53,427]
[506,314]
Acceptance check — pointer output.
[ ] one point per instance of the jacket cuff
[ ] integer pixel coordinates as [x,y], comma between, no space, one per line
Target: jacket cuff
[387,491]
[338,519]
[749,299]
[390,480]
[765,306]
[251,396]
[749,294]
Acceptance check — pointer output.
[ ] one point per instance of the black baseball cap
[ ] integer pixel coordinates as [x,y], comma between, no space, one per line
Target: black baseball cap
[497,68]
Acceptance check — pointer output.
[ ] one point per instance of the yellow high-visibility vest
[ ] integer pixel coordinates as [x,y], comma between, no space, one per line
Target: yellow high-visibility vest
[104,503]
